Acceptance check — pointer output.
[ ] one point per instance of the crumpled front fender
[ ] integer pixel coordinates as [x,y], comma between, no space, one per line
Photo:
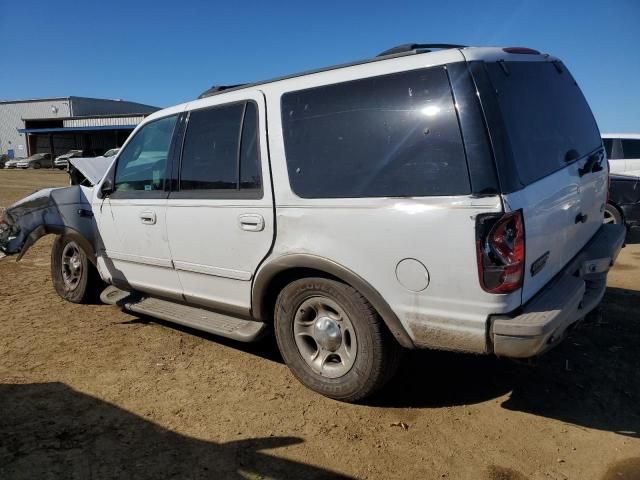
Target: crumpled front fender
[64,210]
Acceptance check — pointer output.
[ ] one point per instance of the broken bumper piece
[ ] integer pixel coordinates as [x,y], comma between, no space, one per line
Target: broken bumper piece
[52,210]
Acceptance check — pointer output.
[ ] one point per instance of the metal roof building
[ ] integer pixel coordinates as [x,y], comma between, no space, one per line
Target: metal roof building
[58,124]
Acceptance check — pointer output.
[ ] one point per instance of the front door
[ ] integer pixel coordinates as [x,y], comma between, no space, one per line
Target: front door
[132,220]
[220,220]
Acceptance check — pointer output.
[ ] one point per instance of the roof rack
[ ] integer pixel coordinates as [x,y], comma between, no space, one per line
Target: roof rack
[400,50]
[424,47]
[217,89]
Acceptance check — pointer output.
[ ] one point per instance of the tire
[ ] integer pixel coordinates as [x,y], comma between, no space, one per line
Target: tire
[36,166]
[318,318]
[74,277]
[612,215]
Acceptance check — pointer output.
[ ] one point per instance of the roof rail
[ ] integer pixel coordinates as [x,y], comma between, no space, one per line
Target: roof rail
[425,47]
[217,89]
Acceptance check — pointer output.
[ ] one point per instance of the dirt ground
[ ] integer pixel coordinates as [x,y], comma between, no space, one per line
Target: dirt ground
[88,391]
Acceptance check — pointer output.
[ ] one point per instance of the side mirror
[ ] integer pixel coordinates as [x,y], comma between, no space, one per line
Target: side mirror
[106,188]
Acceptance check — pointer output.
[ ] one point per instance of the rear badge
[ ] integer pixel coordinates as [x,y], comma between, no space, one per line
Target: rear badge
[539,264]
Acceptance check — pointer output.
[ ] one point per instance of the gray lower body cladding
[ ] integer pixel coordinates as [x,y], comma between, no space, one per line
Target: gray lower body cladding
[575,291]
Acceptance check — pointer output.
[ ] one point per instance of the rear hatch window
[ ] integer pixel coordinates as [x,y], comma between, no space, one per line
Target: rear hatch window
[551,133]
[545,114]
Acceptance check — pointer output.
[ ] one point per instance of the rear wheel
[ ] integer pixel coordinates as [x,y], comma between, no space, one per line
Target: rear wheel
[74,277]
[333,340]
[612,215]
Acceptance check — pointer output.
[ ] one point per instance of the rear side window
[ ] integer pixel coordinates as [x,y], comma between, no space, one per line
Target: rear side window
[220,151]
[390,136]
[631,148]
[608,146]
[545,115]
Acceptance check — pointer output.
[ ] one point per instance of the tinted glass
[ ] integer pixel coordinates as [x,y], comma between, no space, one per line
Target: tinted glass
[545,115]
[631,148]
[395,135]
[250,176]
[141,165]
[608,144]
[210,153]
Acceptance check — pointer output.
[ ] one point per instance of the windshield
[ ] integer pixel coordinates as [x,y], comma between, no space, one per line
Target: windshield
[547,118]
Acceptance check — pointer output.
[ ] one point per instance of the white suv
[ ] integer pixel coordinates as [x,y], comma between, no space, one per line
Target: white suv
[432,197]
[623,152]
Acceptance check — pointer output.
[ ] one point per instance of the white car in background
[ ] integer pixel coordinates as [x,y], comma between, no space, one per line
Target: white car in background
[111,153]
[62,161]
[13,162]
[623,152]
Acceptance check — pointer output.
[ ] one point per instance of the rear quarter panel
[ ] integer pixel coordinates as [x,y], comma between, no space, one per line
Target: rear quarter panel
[369,236]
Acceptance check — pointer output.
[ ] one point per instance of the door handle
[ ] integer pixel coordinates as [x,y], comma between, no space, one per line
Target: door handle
[251,222]
[148,217]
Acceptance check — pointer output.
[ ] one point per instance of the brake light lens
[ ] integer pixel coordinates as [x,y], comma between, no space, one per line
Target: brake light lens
[501,252]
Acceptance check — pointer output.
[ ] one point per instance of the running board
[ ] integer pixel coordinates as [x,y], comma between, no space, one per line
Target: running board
[194,317]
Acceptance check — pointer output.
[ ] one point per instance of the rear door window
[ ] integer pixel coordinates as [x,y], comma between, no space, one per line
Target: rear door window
[210,152]
[390,136]
[631,148]
[545,115]
[220,156]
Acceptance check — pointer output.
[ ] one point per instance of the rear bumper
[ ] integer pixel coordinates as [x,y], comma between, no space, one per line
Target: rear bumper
[573,293]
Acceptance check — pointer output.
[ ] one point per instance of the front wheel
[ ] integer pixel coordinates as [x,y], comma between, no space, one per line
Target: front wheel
[74,277]
[35,165]
[333,340]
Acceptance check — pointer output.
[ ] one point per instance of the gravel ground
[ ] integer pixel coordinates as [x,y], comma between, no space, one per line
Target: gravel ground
[88,391]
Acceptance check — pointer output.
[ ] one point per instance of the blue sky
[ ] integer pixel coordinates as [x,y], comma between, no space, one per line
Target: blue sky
[166,52]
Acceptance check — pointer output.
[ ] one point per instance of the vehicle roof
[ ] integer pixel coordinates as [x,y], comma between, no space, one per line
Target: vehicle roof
[634,136]
[427,58]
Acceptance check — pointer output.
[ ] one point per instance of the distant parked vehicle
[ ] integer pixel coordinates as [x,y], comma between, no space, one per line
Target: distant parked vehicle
[623,206]
[623,152]
[37,160]
[111,153]
[4,158]
[62,161]
[13,162]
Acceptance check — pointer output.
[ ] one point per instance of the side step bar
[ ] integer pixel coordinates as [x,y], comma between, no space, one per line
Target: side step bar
[194,317]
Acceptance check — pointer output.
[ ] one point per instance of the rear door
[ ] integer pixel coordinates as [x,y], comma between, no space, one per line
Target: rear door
[220,221]
[555,169]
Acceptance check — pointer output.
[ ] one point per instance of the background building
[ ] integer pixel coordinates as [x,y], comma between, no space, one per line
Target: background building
[57,125]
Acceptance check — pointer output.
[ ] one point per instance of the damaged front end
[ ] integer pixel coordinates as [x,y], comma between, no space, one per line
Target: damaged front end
[59,211]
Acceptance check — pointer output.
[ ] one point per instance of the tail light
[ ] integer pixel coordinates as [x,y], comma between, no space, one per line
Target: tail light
[500,248]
